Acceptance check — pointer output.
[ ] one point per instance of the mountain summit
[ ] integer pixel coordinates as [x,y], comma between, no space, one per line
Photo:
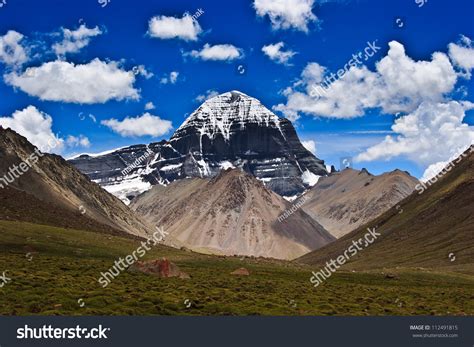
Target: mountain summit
[224,115]
[231,130]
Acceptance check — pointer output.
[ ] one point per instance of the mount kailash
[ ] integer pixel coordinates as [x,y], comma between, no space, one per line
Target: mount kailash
[231,130]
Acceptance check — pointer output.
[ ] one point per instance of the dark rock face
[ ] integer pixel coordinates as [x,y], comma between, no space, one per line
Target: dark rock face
[229,130]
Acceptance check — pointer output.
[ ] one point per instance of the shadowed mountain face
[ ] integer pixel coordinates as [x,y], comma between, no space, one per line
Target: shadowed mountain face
[49,190]
[348,199]
[433,227]
[232,130]
[230,214]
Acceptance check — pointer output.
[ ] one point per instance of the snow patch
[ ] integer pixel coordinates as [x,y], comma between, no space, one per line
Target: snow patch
[125,188]
[265,179]
[226,165]
[171,167]
[310,178]
[291,198]
[95,155]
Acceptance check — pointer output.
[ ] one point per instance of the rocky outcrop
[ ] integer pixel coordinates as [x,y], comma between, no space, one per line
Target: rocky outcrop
[241,272]
[161,268]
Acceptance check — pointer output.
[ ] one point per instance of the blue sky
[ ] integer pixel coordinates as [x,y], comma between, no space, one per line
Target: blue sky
[327,34]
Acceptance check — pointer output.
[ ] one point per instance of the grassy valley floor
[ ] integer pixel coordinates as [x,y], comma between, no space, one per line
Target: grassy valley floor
[54,271]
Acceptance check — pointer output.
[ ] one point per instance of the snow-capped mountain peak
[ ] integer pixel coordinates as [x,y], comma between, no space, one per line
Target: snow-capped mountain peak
[229,130]
[219,114]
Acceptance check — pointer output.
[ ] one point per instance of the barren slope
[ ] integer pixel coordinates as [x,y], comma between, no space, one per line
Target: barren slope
[348,199]
[424,231]
[233,213]
[65,192]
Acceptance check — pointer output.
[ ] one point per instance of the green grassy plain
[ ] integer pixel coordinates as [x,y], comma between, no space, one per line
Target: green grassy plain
[52,268]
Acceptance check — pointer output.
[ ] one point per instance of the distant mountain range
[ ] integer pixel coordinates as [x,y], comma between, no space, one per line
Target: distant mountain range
[231,130]
[217,186]
[433,227]
[232,213]
[348,199]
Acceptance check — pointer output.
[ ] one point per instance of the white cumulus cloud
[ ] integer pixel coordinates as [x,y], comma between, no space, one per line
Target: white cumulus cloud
[74,40]
[310,145]
[94,82]
[399,84]
[11,51]
[430,135]
[36,126]
[149,106]
[313,73]
[78,141]
[276,53]
[142,71]
[144,125]
[171,78]
[185,28]
[462,55]
[210,93]
[434,169]
[431,128]
[286,14]
[224,52]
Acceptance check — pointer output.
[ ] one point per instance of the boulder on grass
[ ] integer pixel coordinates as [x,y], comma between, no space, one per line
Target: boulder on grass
[391,276]
[161,268]
[241,272]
